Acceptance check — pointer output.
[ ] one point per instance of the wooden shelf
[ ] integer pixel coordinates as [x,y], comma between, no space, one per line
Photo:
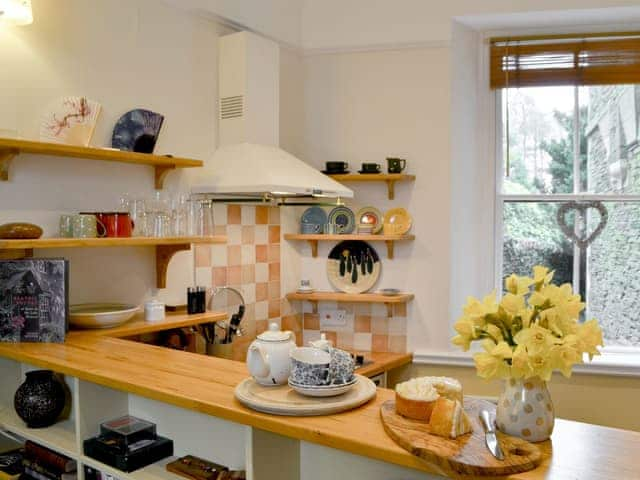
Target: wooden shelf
[388,300]
[389,178]
[162,164]
[166,247]
[55,437]
[138,326]
[313,240]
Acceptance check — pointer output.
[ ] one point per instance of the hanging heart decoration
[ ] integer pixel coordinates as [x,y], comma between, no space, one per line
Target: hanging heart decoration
[580,209]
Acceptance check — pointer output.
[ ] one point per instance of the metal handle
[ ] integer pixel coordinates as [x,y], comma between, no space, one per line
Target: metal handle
[487,421]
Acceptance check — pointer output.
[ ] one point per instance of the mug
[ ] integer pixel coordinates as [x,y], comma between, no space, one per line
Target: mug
[116,224]
[310,228]
[86,226]
[333,228]
[336,166]
[66,226]
[396,165]
[371,167]
[310,366]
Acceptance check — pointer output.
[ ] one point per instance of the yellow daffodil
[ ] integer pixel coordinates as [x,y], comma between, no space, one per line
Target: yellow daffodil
[541,366]
[494,332]
[542,275]
[512,303]
[517,285]
[520,367]
[589,337]
[492,364]
[564,357]
[536,339]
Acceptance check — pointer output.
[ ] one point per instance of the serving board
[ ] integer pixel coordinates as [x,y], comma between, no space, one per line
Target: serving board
[465,455]
[283,400]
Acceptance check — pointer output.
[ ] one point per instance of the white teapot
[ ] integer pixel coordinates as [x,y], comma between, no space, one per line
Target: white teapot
[268,356]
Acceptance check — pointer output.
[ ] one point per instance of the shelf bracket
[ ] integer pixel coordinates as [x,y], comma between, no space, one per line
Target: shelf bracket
[164,254]
[390,245]
[5,160]
[391,188]
[11,254]
[161,172]
[389,309]
[314,247]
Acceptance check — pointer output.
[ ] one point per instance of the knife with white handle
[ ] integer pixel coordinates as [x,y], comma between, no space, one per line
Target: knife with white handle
[490,435]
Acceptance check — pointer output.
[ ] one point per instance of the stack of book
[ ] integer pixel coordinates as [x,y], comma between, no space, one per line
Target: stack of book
[11,464]
[40,463]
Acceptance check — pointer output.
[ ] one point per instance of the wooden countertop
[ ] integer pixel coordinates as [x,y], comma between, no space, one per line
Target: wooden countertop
[382,362]
[206,384]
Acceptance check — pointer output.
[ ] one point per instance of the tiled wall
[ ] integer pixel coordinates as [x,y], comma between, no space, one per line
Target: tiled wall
[250,262]
[368,328]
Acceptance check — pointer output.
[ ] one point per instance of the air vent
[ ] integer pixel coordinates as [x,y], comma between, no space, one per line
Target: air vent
[231,107]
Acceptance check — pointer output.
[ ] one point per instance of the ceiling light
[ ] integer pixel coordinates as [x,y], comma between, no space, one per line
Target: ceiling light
[15,12]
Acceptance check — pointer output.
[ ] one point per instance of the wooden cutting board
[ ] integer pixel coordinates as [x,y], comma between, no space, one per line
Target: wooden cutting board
[283,400]
[465,455]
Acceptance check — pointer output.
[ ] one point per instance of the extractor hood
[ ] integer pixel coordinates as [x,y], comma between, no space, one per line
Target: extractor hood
[264,171]
[249,163]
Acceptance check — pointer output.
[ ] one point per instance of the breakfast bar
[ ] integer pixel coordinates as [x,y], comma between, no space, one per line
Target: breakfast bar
[191,397]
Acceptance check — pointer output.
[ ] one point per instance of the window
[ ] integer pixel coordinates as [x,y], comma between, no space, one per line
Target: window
[569,168]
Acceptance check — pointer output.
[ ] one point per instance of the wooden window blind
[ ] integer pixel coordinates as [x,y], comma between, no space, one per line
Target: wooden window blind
[596,59]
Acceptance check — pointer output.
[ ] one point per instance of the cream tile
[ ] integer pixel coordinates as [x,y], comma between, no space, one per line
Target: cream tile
[378,310]
[262,310]
[262,234]
[248,215]
[262,272]
[345,340]
[219,214]
[219,255]
[398,326]
[234,234]
[249,293]
[362,341]
[248,254]
[203,277]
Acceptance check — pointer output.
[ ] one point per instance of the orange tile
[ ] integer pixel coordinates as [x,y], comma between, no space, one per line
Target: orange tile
[262,215]
[274,216]
[299,339]
[262,291]
[400,310]
[345,340]
[379,343]
[311,321]
[248,274]
[234,255]
[332,337]
[292,322]
[380,325]
[274,308]
[274,234]
[274,272]
[202,255]
[261,326]
[234,215]
[274,290]
[219,276]
[248,234]
[274,253]
[261,254]
[362,324]
[398,343]
[234,275]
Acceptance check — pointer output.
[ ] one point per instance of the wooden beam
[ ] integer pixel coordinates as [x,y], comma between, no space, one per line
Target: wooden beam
[160,173]
[6,155]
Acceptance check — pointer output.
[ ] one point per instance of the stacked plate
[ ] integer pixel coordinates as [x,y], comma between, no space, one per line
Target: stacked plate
[323,390]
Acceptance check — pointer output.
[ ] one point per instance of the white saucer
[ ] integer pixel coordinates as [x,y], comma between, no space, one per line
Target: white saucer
[323,390]
[305,290]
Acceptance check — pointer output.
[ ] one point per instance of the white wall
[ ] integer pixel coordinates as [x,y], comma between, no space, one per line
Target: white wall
[363,107]
[124,55]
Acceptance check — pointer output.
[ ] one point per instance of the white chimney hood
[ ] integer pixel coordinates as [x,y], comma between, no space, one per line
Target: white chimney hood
[253,170]
[248,163]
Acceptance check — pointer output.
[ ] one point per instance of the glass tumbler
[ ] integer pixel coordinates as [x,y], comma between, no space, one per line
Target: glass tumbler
[205,225]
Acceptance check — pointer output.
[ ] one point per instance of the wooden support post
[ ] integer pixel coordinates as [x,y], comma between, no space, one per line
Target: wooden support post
[391,188]
[5,160]
[390,245]
[161,174]
[164,254]
[314,248]
[389,309]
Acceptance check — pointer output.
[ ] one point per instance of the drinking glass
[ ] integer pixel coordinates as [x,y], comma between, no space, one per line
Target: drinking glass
[179,216]
[205,225]
[138,213]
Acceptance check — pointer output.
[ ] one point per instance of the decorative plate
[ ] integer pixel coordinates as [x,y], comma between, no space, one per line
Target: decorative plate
[400,219]
[100,315]
[370,216]
[137,131]
[353,266]
[343,216]
[315,216]
[70,120]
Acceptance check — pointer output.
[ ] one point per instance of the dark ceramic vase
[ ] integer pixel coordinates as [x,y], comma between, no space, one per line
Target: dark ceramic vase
[40,400]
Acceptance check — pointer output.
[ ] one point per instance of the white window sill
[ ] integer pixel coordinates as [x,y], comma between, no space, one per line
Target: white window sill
[618,362]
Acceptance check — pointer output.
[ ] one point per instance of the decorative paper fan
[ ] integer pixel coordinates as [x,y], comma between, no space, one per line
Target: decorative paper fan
[70,120]
[137,131]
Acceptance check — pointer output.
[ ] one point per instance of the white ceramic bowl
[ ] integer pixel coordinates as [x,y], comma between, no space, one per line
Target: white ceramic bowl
[100,315]
[313,356]
[323,390]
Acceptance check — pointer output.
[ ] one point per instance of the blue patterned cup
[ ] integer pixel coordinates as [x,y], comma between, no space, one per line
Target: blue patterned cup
[341,367]
[310,228]
[310,366]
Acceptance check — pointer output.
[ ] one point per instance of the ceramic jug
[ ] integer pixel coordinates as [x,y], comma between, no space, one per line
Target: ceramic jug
[268,356]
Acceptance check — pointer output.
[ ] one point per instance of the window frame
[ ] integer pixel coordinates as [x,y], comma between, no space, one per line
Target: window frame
[502,198]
